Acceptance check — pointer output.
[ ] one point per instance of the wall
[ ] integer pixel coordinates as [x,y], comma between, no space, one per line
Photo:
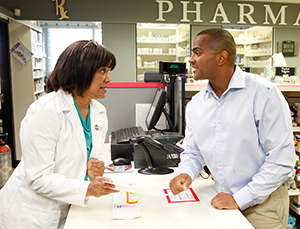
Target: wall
[120,39]
[203,12]
[284,34]
[120,105]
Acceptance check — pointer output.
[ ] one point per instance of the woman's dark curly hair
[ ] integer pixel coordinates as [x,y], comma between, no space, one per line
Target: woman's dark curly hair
[77,65]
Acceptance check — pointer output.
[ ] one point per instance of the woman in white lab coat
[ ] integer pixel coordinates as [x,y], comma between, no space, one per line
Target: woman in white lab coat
[61,136]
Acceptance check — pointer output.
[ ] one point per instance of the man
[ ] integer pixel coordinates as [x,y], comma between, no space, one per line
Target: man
[240,127]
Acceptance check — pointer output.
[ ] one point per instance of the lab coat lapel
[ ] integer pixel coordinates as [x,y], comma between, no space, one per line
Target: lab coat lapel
[72,115]
[97,125]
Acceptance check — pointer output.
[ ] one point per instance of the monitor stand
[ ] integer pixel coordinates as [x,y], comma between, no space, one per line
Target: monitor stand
[157,171]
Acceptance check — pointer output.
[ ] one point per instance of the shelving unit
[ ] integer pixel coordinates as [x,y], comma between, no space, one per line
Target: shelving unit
[37,63]
[239,36]
[183,42]
[27,79]
[254,48]
[160,43]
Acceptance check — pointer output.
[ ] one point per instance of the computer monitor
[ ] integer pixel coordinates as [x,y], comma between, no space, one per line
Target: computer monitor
[156,108]
[176,103]
[171,103]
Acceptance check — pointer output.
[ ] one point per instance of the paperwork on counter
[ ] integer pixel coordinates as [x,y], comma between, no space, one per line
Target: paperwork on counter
[122,209]
[186,196]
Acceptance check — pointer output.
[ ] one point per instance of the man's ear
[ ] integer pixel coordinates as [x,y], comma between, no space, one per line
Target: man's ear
[222,57]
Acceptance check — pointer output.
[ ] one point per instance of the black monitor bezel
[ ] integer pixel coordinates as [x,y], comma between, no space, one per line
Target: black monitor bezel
[160,96]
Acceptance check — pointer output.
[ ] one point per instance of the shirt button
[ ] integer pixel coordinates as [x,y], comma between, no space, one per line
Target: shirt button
[220,167]
[218,103]
[223,188]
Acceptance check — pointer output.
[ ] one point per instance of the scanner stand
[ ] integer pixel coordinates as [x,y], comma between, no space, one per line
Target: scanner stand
[154,157]
[149,170]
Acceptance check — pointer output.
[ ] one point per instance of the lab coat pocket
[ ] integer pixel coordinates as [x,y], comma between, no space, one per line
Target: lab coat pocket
[36,218]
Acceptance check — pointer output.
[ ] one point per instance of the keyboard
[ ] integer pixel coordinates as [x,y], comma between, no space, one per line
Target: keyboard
[124,135]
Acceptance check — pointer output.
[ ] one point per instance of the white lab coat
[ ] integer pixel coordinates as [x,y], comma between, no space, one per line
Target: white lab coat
[51,173]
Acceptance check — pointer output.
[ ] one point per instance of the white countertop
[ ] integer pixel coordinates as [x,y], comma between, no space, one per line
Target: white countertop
[155,211]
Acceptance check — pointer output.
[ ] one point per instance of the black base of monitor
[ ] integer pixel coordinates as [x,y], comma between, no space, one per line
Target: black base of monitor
[157,171]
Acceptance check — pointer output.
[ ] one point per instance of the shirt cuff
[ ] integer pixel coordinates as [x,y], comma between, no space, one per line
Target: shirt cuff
[86,198]
[186,171]
[244,199]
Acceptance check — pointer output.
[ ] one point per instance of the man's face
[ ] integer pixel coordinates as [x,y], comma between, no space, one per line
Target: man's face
[203,58]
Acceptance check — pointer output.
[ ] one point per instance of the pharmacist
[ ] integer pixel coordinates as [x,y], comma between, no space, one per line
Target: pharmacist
[59,134]
[240,127]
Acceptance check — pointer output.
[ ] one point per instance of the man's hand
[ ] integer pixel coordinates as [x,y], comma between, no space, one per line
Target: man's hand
[224,201]
[101,186]
[95,168]
[180,183]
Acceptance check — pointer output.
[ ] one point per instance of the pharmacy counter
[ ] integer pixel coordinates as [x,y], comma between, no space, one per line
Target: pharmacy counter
[155,210]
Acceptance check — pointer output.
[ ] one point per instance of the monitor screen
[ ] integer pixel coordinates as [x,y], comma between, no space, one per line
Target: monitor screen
[156,108]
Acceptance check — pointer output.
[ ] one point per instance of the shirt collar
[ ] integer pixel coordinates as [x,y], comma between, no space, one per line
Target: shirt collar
[237,81]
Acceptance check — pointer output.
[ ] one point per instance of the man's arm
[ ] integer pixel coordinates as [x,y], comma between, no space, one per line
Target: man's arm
[273,120]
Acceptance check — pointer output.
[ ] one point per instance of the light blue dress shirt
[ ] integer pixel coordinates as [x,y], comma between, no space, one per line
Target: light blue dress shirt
[245,138]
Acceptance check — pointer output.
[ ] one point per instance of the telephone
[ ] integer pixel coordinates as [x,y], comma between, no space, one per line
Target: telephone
[153,157]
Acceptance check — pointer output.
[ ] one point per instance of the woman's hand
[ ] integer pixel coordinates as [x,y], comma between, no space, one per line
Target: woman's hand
[95,168]
[101,186]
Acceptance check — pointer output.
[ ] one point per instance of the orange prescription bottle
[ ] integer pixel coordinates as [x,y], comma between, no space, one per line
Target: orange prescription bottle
[131,197]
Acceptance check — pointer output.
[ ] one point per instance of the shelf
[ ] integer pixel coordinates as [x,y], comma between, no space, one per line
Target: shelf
[295,192]
[183,40]
[38,77]
[155,54]
[147,67]
[37,68]
[256,66]
[296,129]
[288,87]
[183,55]
[296,210]
[156,42]
[194,87]
[39,92]
[258,42]
[164,42]
[258,55]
